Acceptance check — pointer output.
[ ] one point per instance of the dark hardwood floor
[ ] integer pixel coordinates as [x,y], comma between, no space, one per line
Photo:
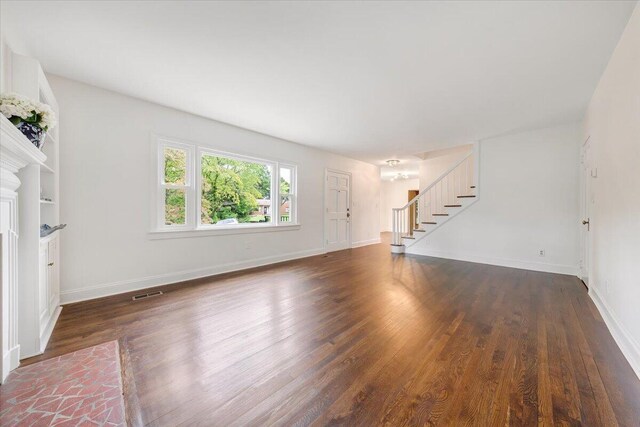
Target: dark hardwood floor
[362,337]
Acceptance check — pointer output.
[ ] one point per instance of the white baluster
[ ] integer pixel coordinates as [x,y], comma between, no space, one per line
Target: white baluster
[431,204]
[404,221]
[457,186]
[398,213]
[466,178]
[446,190]
[396,227]
[468,174]
[393,226]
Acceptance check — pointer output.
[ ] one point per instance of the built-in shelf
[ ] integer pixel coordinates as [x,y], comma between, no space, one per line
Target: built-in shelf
[33,287]
[46,169]
[48,236]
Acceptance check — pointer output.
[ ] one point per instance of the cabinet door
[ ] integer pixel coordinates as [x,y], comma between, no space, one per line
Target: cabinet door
[54,285]
[43,288]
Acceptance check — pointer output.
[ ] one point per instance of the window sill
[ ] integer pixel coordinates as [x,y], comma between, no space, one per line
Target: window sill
[221,231]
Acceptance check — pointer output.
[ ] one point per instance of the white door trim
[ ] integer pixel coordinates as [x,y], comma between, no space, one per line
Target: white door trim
[585,211]
[324,206]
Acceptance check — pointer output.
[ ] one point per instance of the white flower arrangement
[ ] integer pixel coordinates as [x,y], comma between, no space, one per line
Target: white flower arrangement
[18,108]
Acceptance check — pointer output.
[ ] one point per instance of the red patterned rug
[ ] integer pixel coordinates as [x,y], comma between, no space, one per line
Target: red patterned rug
[77,389]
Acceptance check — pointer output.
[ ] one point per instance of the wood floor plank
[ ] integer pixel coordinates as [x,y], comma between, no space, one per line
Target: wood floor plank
[545,402]
[363,337]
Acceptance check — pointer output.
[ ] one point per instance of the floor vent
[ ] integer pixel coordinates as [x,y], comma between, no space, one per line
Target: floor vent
[147,295]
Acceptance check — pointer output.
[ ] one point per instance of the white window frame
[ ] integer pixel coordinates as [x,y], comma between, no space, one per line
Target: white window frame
[162,186]
[193,226]
[293,202]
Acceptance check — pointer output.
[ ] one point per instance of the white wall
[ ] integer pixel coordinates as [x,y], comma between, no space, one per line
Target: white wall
[3,65]
[394,194]
[612,124]
[106,186]
[528,200]
[438,162]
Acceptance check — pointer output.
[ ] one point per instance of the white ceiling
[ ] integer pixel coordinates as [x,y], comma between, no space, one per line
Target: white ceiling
[370,80]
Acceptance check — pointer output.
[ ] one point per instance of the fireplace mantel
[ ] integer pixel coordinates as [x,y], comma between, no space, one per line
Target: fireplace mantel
[16,152]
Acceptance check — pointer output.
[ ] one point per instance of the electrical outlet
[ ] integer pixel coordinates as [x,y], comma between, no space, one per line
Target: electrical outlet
[541,252]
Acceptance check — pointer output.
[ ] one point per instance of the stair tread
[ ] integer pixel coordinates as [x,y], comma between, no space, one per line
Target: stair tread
[466,196]
[418,230]
[452,206]
[429,222]
[473,186]
[440,214]
[408,237]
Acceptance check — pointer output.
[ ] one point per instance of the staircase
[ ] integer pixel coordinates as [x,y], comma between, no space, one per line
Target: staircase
[447,196]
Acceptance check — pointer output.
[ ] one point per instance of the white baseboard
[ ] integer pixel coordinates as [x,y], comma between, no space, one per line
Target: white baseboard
[502,262]
[107,289]
[368,242]
[46,334]
[629,347]
[10,361]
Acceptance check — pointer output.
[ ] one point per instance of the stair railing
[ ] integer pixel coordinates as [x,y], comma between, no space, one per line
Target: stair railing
[431,203]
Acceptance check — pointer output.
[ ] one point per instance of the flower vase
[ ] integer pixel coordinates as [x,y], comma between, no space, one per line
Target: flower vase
[34,133]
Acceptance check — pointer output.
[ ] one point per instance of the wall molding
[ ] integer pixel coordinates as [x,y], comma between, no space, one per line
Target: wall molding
[502,262]
[10,361]
[629,347]
[367,242]
[46,334]
[114,288]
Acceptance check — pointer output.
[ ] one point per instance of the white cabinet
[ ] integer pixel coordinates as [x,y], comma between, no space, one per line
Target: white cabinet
[49,288]
[43,285]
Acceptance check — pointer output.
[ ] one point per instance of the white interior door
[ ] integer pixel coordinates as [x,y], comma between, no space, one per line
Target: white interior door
[337,211]
[587,200]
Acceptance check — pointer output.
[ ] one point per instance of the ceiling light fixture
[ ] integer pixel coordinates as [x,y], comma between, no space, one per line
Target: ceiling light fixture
[392,163]
[399,176]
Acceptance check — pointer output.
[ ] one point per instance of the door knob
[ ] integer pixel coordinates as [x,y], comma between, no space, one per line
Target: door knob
[585,221]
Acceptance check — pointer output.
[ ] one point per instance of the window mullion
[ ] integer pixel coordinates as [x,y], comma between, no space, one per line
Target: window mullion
[192,219]
[275,179]
[175,186]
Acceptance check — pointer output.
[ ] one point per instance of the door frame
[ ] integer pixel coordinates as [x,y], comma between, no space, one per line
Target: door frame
[586,173]
[324,206]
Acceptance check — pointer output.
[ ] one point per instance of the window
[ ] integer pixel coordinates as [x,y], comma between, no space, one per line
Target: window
[219,191]
[286,213]
[175,184]
[234,191]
